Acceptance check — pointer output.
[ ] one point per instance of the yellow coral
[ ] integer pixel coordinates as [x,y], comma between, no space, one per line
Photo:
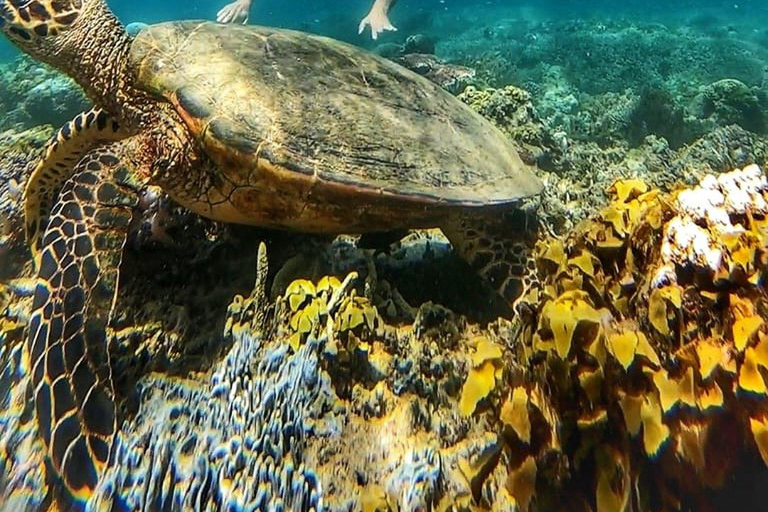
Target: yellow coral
[663,305]
[710,397]
[591,381]
[585,262]
[613,479]
[570,280]
[750,378]
[655,432]
[626,346]
[653,213]
[481,379]
[674,390]
[537,398]
[521,483]
[609,244]
[514,413]
[614,215]
[597,350]
[353,316]
[552,251]
[759,427]
[691,439]
[305,321]
[373,498]
[622,347]
[298,292]
[564,314]
[327,285]
[631,408]
[741,249]
[633,204]
[592,419]
[710,354]
[485,350]
[628,189]
[743,329]
[677,365]
[645,350]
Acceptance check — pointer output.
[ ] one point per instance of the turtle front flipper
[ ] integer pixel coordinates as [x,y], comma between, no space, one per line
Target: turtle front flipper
[80,255]
[85,132]
[498,246]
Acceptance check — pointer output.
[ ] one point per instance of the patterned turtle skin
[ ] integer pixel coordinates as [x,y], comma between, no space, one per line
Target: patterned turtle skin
[251,125]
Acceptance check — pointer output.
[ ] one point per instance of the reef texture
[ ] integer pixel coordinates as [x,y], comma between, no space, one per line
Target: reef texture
[635,381]
[33,94]
[390,378]
[577,171]
[648,345]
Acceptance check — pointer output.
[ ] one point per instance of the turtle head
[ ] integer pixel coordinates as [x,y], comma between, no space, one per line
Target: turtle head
[61,33]
[34,24]
[75,36]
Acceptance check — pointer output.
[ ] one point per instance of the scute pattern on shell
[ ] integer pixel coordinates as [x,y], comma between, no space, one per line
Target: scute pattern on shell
[327,110]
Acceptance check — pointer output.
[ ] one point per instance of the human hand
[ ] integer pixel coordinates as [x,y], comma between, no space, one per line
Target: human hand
[378,21]
[236,12]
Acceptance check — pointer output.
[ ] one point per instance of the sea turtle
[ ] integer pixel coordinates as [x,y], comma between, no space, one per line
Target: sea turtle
[254,125]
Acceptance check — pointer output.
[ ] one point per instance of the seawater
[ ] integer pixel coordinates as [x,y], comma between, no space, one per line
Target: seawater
[340,18]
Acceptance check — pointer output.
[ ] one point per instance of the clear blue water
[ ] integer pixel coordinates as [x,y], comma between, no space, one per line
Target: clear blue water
[339,18]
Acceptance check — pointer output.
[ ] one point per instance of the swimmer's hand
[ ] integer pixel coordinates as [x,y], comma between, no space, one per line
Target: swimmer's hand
[236,12]
[378,21]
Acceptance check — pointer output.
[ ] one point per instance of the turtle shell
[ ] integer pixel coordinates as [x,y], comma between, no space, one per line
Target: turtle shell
[328,112]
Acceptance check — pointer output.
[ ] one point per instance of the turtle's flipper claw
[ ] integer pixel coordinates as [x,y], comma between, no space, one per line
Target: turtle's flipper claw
[77,279]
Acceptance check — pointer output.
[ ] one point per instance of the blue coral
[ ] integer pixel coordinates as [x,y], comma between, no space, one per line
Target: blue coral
[232,441]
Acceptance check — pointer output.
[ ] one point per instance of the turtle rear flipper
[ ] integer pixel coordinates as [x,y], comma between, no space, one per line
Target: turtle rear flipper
[77,279]
[83,133]
[498,246]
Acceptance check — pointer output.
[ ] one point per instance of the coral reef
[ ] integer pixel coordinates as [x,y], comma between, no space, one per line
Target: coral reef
[17,153]
[34,94]
[380,374]
[649,345]
[596,57]
[730,101]
[577,170]
[645,352]
[620,81]
[511,109]
[226,440]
